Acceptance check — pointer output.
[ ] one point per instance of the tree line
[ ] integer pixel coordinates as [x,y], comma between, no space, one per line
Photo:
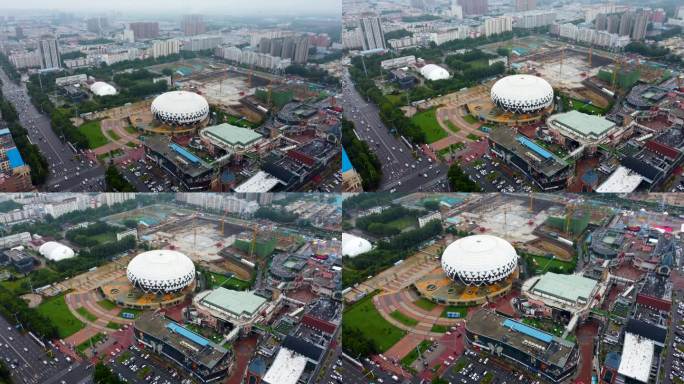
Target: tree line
[30,153]
[387,253]
[377,224]
[364,160]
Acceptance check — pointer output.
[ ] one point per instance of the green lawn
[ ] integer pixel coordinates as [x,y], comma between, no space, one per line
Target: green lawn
[403,222]
[363,316]
[413,355]
[219,280]
[113,135]
[425,304]
[427,121]
[106,304]
[541,264]
[397,100]
[131,144]
[439,328]
[106,237]
[55,309]
[131,129]
[453,126]
[92,131]
[84,312]
[113,325]
[473,137]
[400,317]
[470,119]
[462,309]
[92,341]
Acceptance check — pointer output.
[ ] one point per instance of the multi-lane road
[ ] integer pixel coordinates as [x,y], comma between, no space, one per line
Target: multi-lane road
[67,173]
[402,171]
[30,363]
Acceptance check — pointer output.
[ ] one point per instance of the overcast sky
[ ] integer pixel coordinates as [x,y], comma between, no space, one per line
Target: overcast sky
[216,7]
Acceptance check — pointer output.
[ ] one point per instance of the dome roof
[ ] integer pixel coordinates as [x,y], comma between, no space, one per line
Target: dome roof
[101,88]
[55,251]
[479,259]
[522,93]
[354,245]
[434,72]
[180,107]
[161,271]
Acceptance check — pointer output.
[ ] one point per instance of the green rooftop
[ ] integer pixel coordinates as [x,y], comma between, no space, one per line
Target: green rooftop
[232,135]
[587,126]
[574,288]
[235,302]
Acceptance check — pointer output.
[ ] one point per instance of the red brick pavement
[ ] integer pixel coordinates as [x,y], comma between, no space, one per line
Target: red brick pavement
[585,340]
[244,349]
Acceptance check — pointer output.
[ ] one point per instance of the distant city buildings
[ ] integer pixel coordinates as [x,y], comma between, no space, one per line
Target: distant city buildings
[163,48]
[97,24]
[591,36]
[474,7]
[251,58]
[202,43]
[525,5]
[497,25]
[295,48]
[22,60]
[534,19]
[193,25]
[144,30]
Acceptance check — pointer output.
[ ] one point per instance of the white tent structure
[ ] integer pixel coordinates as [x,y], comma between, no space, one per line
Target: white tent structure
[434,72]
[353,245]
[100,88]
[55,251]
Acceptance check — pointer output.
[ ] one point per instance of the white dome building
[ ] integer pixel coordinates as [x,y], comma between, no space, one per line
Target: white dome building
[434,72]
[161,271]
[522,94]
[353,245]
[100,88]
[479,260]
[55,251]
[180,108]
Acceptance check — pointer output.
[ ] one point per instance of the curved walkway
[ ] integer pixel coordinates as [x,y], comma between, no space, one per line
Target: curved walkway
[403,302]
[88,300]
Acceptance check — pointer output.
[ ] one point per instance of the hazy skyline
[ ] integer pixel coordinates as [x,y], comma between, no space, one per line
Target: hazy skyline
[215,7]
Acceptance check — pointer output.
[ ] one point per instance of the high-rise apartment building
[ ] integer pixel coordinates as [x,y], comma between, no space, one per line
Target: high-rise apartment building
[49,53]
[301,52]
[97,24]
[641,19]
[373,36]
[193,25]
[165,48]
[144,30]
[474,7]
[525,5]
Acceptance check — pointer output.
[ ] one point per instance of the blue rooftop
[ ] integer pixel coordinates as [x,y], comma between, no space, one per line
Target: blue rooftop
[534,146]
[527,330]
[4,131]
[185,153]
[346,164]
[192,336]
[14,157]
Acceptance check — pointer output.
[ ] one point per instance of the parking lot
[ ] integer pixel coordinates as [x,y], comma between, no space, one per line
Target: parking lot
[487,172]
[674,360]
[474,368]
[134,365]
[28,362]
[147,177]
